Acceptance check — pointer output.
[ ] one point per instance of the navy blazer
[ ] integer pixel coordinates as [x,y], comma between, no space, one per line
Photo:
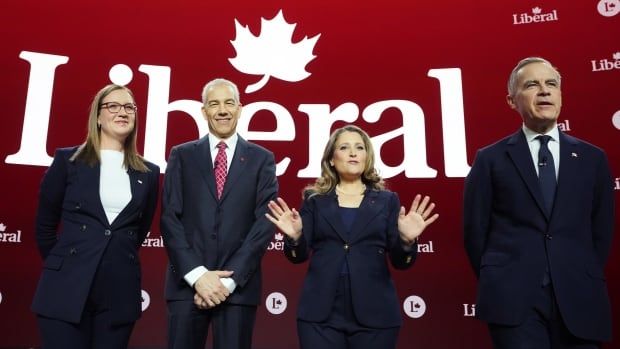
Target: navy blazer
[509,237]
[374,235]
[227,234]
[69,198]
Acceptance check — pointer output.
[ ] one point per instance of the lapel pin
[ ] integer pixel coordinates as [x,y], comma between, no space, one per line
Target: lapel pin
[139,181]
[574,155]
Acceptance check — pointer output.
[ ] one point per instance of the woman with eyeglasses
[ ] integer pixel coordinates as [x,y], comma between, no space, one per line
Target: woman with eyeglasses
[96,203]
[349,226]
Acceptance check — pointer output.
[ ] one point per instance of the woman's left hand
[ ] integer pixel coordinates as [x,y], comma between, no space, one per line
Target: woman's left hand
[412,224]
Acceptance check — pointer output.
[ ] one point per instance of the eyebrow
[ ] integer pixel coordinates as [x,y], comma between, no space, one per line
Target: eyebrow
[546,81]
[218,101]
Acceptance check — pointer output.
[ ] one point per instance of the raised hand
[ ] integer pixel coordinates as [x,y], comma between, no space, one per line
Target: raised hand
[286,219]
[412,224]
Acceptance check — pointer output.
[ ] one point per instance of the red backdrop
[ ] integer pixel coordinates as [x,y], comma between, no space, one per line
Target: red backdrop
[426,79]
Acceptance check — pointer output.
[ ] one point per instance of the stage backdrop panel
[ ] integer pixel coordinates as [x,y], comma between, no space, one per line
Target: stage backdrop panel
[426,79]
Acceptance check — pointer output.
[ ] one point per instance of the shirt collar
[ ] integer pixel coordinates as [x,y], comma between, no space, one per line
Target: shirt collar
[531,135]
[230,141]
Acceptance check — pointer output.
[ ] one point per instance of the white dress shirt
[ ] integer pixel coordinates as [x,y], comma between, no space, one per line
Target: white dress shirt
[553,145]
[114,186]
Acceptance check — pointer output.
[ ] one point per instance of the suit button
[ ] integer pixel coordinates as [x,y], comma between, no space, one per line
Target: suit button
[107,232]
[78,206]
[130,233]
[140,215]
[548,236]
[83,227]
[346,247]
[73,251]
[214,236]
[131,256]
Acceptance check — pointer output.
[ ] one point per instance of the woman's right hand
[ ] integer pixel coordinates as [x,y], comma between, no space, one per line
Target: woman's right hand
[286,219]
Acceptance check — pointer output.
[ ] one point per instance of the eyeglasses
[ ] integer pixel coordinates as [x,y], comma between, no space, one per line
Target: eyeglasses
[114,107]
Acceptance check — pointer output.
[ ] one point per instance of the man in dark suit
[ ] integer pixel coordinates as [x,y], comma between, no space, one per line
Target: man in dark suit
[215,197]
[538,224]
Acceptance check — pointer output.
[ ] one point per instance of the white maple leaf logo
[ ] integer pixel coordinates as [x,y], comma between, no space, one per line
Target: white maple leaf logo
[272,53]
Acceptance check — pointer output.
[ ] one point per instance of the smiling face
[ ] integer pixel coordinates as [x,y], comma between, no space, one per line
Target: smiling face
[537,96]
[349,157]
[221,111]
[115,127]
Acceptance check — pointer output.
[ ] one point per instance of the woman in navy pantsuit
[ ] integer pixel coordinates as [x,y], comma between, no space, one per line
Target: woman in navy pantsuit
[96,204]
[348,227]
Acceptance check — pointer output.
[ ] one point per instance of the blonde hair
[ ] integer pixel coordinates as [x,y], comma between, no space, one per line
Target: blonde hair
[89,151]
[329,177]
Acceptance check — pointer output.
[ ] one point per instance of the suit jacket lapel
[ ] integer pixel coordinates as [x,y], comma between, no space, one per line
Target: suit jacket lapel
[205,163]
[519,152]
[368,210]
[569,165]
[330,210]
[89,181]
[138,185]
[237,165]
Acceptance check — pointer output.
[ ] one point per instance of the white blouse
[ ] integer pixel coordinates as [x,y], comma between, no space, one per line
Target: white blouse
[114,186]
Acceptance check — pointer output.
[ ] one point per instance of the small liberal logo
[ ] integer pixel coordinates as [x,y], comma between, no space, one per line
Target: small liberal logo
[6,236]
[276,303]
[146,300]
[537,16]
[615,119]
[606,64]
[414,307]
[608,8]
[153,242]
[469,310]
[278,244]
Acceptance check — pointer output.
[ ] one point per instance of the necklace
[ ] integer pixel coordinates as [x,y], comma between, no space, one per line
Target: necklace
[339,190]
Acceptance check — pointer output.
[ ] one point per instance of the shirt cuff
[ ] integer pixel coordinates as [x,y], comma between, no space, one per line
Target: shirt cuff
[194,275]
[229,283]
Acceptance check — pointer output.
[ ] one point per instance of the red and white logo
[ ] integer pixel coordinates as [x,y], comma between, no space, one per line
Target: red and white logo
[272,53]
[615,119]
[9,237]
[469,310]
[606,64]
[146,300]
[153,242]
[276,303]
[537,16]
[273,43]
[414,307]
[608,8]
[278,242]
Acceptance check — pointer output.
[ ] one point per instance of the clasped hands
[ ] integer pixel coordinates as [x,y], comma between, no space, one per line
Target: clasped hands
[210,291]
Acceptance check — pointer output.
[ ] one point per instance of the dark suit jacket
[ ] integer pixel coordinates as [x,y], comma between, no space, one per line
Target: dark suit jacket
[508,236]
[229,234]
[69,195]
[374,235]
